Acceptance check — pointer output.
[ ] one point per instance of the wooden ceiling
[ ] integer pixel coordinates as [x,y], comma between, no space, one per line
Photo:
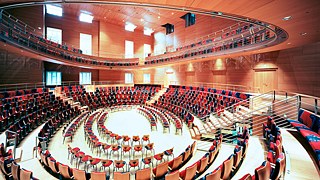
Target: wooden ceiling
[305,14]
[116,14]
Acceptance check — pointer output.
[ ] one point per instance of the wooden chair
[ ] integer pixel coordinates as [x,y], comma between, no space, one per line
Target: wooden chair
[25,174]
[226,168]
[202,164]
[247,177]
[175,163]
[64,171]
[264,171]
[160,170]
[121,176]
[79,174]
[216,174]
[15,170]
[143,174]
[173,176]
[98,176]
[189,172]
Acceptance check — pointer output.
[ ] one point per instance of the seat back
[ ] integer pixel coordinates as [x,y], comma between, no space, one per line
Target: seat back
[212,155]
[237,157]
[44,159]
[247,177]
[216,174]
[25,174]
[98,175]
[143,174]
[186,154]
[227,167]
[176,162]
[191,171]
[15,170]
[161,169]
[52,165]
[79,174]
[203,164]
[64,170]
[263,172]
[172,176]
[279,168]
[121,176]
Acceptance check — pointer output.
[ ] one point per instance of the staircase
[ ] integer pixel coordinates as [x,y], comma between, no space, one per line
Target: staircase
[235,117]
[156,97]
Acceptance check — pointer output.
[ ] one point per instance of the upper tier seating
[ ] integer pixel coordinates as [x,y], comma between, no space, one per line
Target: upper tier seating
[16,32]
[308,125]
[257,37]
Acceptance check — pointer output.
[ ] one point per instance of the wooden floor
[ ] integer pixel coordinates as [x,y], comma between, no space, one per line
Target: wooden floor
[299,163]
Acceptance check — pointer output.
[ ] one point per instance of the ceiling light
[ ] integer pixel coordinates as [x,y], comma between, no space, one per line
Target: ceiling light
[39,28]
[303,33]
[288,43]
[158,17]
[84,17]
[287,18]
[172,13]
[141,20]
[105,17]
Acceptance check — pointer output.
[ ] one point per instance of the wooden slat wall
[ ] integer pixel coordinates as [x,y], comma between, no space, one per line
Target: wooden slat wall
[71,29]
[16,68]
[187,35]
[112,40]
[31,15]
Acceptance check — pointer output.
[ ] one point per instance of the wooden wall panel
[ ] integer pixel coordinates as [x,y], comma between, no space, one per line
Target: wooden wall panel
[71,29]
[112,40]
[31,15]
[15,68]
[187,35]
[70,73]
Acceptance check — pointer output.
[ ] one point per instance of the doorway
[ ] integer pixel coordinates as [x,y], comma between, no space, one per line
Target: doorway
[265,80]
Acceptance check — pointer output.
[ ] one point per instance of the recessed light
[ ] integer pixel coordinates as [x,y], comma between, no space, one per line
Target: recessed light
[288,43]
[105,17]
[287,18]
[141,20]
[303,33]
[39,27]
[172,13]
[158,17]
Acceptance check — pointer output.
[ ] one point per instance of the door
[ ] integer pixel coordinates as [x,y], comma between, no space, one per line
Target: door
[265,80]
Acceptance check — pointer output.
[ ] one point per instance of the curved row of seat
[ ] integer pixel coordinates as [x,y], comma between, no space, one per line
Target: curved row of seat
[274,167]
[72,127]
[150,116]
[21,93]
[171,117]
[160,117]
[231,165]
[308,125]
[10,168]
[113,96]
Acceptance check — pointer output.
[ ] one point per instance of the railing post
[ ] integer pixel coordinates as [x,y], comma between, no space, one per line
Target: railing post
[316,106]
[298,105]
[274,95]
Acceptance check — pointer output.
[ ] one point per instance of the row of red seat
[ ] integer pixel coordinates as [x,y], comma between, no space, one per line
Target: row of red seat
[150,116]
[170,116]
[70,129]
[21,93]
[10,168]
[231,165]
[274,167]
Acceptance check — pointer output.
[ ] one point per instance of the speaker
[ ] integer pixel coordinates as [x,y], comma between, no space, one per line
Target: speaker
[169,28]
[189,18]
